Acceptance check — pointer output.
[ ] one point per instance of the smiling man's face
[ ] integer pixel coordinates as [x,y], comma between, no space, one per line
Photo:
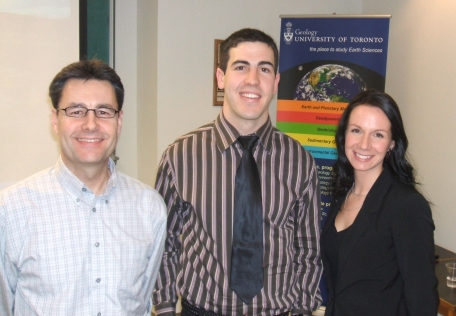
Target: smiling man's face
[250,84]
[89,141]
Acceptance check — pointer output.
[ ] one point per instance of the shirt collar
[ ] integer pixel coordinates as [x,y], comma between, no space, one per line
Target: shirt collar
[76,187]
[226,134]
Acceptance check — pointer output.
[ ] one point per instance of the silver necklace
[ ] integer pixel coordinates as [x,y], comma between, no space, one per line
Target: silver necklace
[346,197]
[358,194]
[351,190]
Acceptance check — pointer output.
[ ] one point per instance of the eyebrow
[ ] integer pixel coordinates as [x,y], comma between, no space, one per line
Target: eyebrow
[261,63]
[99,106]
[357,126]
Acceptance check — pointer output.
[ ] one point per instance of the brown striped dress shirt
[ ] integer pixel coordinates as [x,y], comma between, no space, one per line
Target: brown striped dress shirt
[196,179]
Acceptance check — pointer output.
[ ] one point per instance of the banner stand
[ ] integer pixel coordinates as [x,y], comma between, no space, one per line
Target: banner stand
[325,60]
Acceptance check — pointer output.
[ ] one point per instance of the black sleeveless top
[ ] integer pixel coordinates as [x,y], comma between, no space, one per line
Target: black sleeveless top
[332,242]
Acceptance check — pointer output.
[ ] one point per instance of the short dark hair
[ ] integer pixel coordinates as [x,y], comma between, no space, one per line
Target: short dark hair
[246,35]
[397,162]
[86,70]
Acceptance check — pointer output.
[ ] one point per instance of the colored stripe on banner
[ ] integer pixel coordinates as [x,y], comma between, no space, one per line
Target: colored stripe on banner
[311,106]
[314,140]
[303,128]
[308,117]
[322,152]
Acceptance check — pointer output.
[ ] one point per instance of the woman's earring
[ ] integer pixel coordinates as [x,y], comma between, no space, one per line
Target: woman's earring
[388,154]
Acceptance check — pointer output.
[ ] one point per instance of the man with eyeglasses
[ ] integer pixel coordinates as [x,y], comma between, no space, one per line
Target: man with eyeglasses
[81,238]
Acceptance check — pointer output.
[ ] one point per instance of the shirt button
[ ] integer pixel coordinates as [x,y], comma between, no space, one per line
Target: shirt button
[97,244]
[94,210]
[98,280]
[106,201]
[77,200]
[99,314]
[84,189]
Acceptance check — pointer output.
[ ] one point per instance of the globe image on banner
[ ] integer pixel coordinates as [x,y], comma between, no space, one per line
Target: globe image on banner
[330,83]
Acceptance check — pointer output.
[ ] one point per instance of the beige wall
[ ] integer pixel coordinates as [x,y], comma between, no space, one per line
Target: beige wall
[147,86]
[37,39]
[126,65]
[420,76]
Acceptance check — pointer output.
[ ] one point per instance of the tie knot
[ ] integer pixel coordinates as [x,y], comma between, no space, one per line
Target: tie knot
[248,141]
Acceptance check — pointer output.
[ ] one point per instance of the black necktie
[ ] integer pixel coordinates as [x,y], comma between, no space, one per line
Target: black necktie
[247,252]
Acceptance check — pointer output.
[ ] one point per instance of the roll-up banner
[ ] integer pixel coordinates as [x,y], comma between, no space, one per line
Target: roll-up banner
[325,60]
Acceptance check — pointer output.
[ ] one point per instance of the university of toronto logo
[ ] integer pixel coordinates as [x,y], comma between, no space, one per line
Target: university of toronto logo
[288,34]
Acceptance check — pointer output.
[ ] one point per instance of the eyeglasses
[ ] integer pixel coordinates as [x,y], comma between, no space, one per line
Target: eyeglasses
[80,112]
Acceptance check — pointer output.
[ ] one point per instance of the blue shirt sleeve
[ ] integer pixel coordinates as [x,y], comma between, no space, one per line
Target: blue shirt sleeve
[8,274]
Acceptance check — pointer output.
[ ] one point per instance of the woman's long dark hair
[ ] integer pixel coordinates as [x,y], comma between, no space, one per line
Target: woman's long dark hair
[397,163]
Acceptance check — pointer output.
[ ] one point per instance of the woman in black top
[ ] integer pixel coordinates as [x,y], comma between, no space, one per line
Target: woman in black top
[377,242]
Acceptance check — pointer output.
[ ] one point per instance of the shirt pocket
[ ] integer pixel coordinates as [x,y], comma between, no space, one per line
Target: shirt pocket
[282,216]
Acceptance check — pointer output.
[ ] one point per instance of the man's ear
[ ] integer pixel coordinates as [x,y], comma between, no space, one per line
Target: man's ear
[220,75]
[119,122]
[54,121]
[276,83]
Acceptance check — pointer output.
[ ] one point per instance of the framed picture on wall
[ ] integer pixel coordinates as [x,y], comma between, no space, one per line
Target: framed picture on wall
[217,95]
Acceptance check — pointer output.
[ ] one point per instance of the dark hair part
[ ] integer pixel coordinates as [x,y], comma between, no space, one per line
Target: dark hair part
[246,35]
[93,69]
[397,163]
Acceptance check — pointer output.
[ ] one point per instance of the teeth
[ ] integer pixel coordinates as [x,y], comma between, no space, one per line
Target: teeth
[362,156]
[89,140]
[250,95]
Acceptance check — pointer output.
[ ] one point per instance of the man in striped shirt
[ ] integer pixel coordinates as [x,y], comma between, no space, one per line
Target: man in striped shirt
[196,178]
